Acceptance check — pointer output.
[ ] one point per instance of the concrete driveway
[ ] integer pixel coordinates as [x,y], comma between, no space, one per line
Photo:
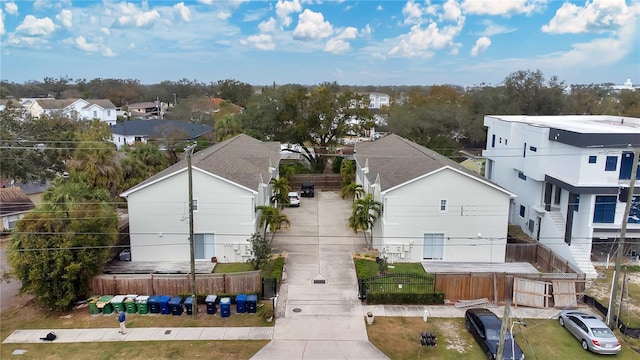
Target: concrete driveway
[319,315]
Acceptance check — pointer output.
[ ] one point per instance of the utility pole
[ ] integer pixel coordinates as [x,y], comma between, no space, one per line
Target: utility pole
[623,234]
[503,329]
[194,306]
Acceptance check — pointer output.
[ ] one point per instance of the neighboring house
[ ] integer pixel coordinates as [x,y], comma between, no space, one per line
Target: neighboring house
[34,190]
[474,160]
[230,180]
[14,204]
[146,110]
[140,131]
[568,172]
[102,109]
[433,208]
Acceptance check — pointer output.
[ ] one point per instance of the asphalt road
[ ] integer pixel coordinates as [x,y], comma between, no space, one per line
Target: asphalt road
[8,290]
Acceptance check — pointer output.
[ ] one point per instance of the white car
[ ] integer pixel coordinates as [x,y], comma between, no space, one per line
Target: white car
[294,198]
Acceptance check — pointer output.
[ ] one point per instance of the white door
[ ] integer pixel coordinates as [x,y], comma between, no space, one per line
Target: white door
[203,245]
[433,248]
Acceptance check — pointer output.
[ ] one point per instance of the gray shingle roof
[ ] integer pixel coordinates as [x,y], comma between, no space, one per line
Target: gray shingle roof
[104,103]
[397,160]
[241,159]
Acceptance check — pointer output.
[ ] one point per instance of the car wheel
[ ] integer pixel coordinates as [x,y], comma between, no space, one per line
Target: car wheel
[585,345]
[489,356]
[467,324]
[561,321]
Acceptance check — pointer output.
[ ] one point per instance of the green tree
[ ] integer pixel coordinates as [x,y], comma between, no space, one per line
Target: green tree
[228,127]
[281,191]
[57,248]
[529,91]
[141,162]
[366,212]
[260,251]
[351,191]
[272,219]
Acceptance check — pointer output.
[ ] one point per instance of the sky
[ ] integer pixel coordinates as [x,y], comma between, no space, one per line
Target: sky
[365,42]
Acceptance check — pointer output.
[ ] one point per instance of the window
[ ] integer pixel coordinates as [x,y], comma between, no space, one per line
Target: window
[611,164]
[533,148]
[593,159]
[433,247]
[500,140]
[195,205]
[605,210]
[522,176]
[108,112]
[557,196]
[522,210]
[532,225]
[95,114]
[493,140]
[203,246]
[524,150]
[443,205]
[505,142]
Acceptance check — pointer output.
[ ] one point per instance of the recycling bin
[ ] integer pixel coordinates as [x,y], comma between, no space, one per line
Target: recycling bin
[142,304]
[163,301]
[175,305]
[225,307]
[130,304]
[92,304]
[154,304]
[252,304]
[118,303]
[210,300]
[104,304]
[241,303]
[188,305]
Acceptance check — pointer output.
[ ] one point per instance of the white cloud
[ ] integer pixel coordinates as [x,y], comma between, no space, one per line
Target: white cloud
[33,26]
[284,8]
[268,25]
[412,12]
[366,31]
[337,46]
[379,8]
[347,33]
[223,15]
[182,11]
[107,52]
[65,17]
[494,29]
[598,15]
[504,8]
[132,16]
[25,41]
[311,26]
[11,8]
[261,41]
[206,2]
[419,42]
[2,31]
[105,31]
[82,44]
[481,45]
[452,10]
[131,46]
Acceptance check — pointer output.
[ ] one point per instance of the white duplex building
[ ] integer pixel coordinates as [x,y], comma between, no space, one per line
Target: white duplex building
[569,174]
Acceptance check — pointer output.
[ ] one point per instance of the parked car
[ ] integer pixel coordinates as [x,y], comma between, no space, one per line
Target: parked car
[484,325]
[125,255]
[294,198]
[308,189]
[593,333]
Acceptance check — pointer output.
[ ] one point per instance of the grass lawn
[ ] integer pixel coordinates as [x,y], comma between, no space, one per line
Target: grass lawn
[601,291]
[541,339]
[32,316]
[368,268]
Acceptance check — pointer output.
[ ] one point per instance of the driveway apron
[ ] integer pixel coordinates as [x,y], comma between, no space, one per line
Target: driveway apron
[319,315]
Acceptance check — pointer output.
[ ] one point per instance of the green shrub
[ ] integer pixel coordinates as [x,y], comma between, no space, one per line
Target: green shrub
[436,298]
[337,162]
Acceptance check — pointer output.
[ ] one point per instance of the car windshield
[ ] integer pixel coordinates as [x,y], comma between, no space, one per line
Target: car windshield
[602,332]
[494,335]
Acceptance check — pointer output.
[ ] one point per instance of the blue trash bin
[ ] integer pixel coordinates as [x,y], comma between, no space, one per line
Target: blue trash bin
[163,301]
[252,303]
[175,305]
[188,305]
[210,300]
[241,303]
[154,304]
[225,307]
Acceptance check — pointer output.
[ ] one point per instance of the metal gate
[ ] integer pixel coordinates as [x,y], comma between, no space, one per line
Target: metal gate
[269,288]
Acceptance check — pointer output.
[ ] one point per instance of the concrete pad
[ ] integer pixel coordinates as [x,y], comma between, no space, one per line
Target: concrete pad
[213,333]
[261,333]
[114,335]
[64,335]
[282,349]
[188,333]
[345,309]
[467,267]
[321,328]
[236,333]
[23,336]
[342,350]
[91,335]
[140,334]
[161,334]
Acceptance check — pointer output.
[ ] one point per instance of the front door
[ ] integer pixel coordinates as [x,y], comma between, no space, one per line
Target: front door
[433,247]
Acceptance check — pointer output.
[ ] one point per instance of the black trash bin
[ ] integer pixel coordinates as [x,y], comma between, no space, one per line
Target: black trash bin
[210,300]
[188,305]
[175,305]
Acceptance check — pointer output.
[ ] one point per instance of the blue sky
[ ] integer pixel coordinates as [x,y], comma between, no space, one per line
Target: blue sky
[366,42]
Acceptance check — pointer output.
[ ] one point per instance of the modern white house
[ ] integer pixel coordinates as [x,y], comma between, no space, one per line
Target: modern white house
[229,181]
[433,208]
[141,131]
[102,109]
[570,174]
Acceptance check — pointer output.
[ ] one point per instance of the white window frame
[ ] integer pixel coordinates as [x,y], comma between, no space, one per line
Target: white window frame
[444,205]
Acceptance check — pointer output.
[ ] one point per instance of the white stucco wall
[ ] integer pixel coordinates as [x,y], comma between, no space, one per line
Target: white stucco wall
[474,225]
[159,223]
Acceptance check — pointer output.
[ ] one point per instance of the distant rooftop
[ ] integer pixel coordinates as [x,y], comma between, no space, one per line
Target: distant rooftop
[584,124]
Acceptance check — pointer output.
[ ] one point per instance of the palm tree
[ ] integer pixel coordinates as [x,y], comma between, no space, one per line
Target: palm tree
[352,191]
[272,219]
[366,212]
[281,190]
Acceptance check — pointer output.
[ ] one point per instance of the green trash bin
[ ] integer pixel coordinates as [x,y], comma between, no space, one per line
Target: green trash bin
[130,304]
[118,303]
[92,303]
[104,303]
[141,304]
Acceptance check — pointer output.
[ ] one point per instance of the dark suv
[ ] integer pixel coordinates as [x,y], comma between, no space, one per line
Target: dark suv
[307,190]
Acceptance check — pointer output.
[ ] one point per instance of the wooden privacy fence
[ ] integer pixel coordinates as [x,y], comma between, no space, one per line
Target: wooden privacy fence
[540,256]
[175,284]
[321,181]
[493,286]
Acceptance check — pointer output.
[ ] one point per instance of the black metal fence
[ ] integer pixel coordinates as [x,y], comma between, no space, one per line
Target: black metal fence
[269,288]
[396,283]
[629,331]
